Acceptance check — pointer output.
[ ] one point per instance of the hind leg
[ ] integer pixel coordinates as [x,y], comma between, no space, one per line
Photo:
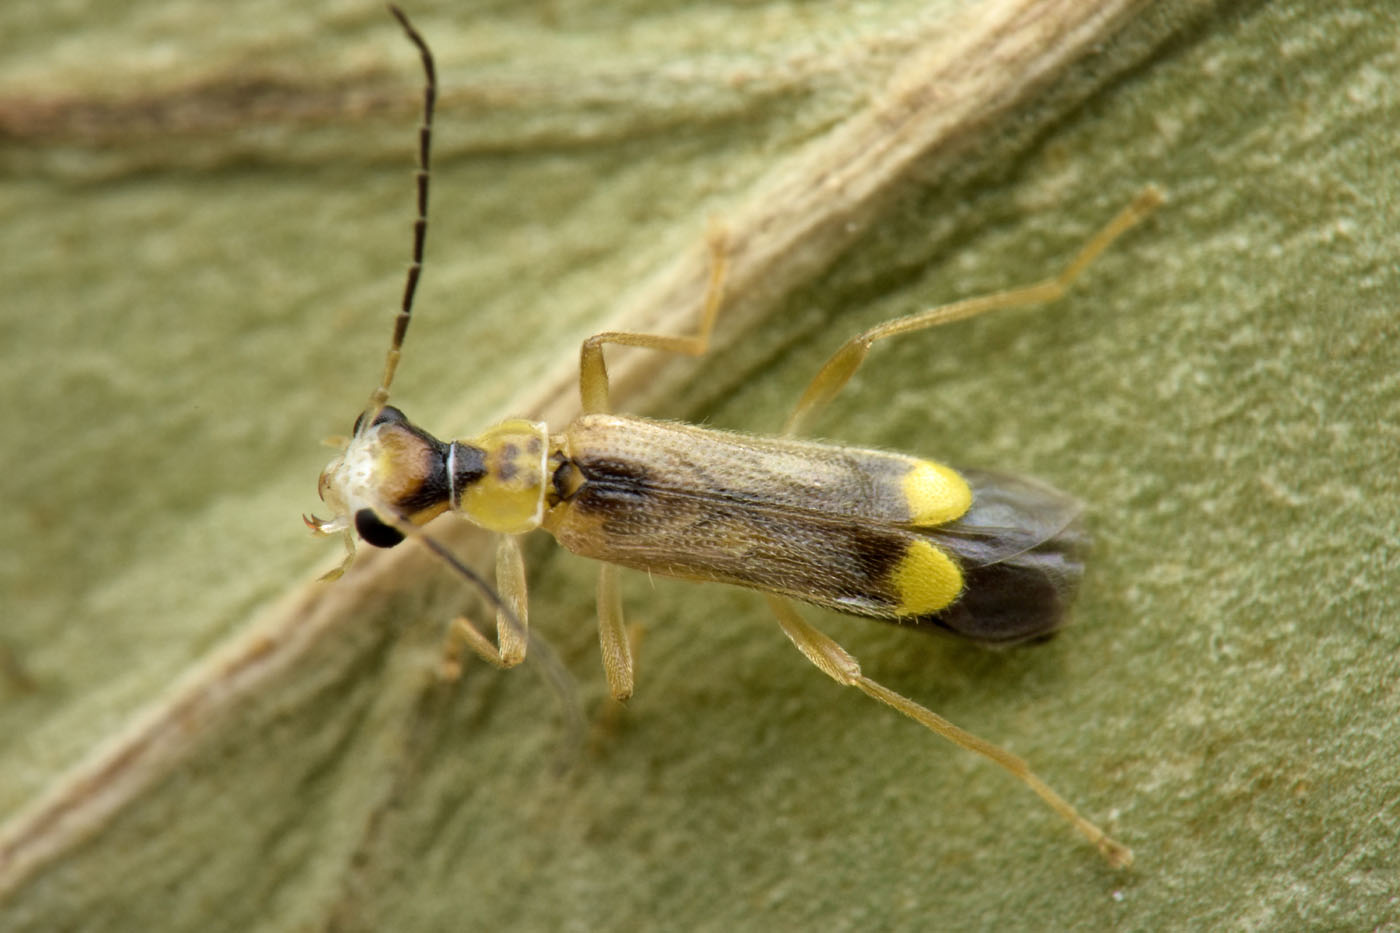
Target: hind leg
[840,666]
[838,370]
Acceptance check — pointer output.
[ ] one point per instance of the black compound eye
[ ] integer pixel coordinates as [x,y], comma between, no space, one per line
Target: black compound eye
[386,414]
[374,531]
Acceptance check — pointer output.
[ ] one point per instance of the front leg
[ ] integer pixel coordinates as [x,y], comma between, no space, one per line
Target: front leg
[512,628]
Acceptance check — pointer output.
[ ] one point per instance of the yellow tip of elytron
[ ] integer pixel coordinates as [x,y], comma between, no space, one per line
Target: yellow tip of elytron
[936,494]
[925,579]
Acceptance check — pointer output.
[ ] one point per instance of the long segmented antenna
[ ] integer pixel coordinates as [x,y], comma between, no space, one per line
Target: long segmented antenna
[380,396]
[545,660]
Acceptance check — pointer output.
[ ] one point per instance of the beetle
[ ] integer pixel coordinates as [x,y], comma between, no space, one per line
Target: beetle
[987,556]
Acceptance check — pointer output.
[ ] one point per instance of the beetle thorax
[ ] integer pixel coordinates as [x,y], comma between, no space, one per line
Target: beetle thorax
[507,494]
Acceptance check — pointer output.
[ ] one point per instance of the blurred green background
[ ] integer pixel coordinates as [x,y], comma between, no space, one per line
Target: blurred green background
[205,213]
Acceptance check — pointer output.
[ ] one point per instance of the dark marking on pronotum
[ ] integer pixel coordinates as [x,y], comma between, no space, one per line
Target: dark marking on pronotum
[505,467]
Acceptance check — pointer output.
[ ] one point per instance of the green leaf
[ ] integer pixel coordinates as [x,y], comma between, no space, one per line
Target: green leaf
[205,215]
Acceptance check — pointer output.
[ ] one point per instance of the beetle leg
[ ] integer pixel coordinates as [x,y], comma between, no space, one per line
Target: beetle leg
[593,373]
[838,664]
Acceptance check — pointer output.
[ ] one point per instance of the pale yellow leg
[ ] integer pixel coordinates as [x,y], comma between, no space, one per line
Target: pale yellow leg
[511,638]
[840,666]
[593,391]
[512,633]
[608,720]
[612,633]
[593,372]
[838,370]
[338,572]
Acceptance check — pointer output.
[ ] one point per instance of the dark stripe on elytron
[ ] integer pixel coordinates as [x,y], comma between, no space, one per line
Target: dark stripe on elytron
[864,557]
[613,469]
[871,551]
[616,482]
[626,477]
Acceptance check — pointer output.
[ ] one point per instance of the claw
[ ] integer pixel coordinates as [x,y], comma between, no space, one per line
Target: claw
[322,527]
